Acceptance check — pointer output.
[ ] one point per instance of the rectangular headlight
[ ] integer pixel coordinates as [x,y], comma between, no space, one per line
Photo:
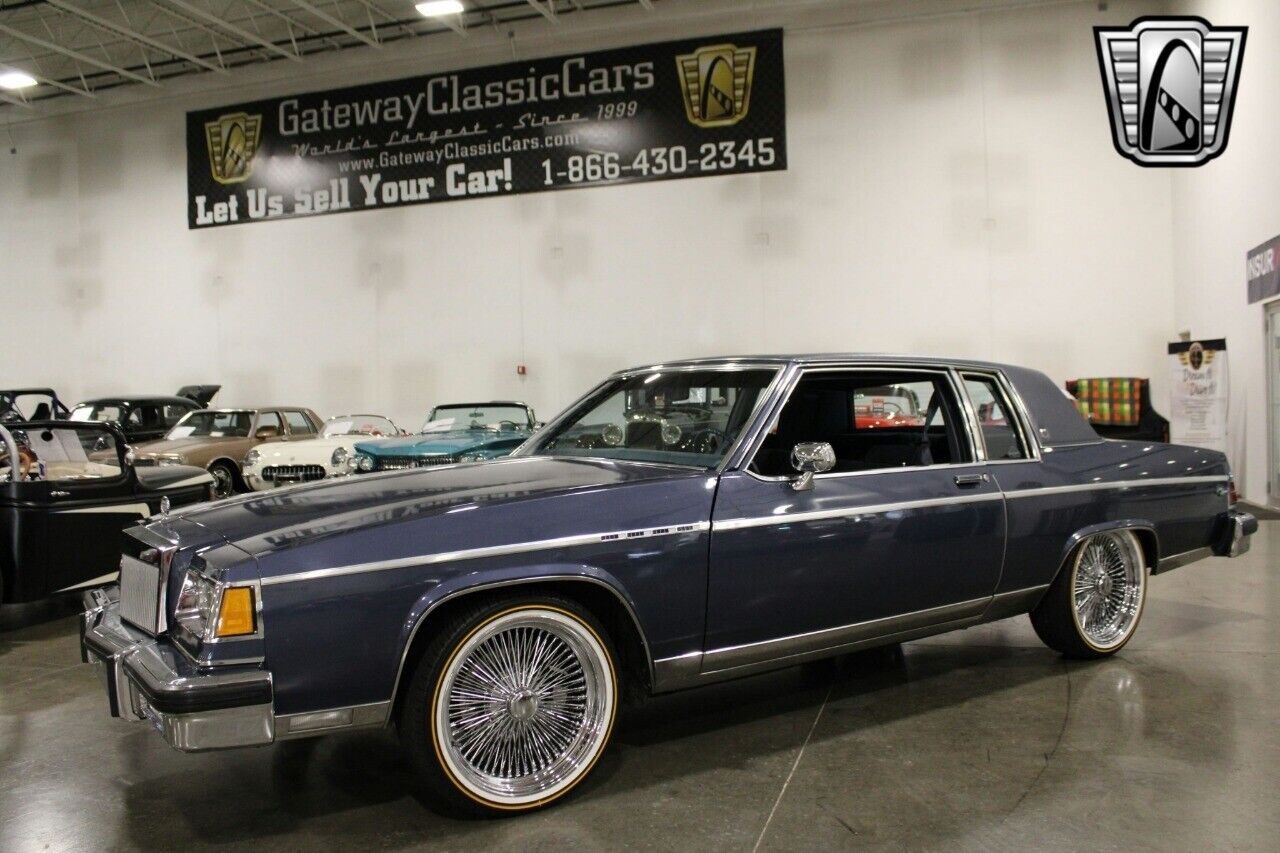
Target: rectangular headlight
[196,603]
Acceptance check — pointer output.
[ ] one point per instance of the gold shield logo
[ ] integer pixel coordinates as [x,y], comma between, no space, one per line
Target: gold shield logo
[233,140]
[1196,357]
[716,81]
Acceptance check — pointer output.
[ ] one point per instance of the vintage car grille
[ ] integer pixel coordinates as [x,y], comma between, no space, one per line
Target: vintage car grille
[294,473]
[143,575]
[396,463]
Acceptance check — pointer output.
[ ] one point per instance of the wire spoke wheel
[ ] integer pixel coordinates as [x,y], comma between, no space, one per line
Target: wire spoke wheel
[524,706]
[1107,587]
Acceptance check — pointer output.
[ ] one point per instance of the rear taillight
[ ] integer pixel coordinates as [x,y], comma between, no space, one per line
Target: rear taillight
[1232,494]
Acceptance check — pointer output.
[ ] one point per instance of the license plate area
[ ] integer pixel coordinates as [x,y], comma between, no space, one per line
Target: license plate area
[140,594]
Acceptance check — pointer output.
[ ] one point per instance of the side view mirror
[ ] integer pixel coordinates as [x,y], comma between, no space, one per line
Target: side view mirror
[811,458]
[267,433]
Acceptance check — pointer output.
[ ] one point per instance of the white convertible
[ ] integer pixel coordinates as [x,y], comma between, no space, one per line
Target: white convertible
[280,463]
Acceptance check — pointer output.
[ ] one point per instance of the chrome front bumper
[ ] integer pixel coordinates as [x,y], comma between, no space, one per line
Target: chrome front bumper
[148,679]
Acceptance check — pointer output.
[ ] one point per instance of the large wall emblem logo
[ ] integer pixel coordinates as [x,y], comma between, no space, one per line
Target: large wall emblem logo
[716,82]
[233,140]
[1170,85]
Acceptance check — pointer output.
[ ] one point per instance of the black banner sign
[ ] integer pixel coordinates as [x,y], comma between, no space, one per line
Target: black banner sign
[1262,270]
[686,109]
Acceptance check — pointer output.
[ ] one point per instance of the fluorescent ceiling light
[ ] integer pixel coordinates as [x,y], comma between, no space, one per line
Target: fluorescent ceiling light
[439,8]
[16,80]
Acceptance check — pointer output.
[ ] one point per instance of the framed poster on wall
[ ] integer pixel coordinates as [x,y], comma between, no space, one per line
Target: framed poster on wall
[1198,413]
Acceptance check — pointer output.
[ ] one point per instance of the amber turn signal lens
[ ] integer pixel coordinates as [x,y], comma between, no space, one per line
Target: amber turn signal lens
[236,617]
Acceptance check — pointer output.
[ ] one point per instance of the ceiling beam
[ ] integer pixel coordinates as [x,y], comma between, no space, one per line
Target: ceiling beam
[336,22]
[76,55]
[546,8]
[17,102]
[240,32]
[139,38]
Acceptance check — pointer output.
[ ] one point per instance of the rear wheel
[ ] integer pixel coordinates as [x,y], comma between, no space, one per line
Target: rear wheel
[1092,608]
[511,705]
[224,480]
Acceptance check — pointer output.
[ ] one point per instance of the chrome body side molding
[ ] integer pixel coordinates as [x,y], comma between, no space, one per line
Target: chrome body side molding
[316,723]
[696,668]
[1174,561]
[492,551]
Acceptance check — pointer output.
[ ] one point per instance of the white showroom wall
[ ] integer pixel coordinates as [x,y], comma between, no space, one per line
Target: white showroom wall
[1223,209]
[952,189]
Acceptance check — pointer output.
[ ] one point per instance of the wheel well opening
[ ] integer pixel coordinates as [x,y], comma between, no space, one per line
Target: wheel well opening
[237,479]
[633,663]
[1150,547]
[1146,541]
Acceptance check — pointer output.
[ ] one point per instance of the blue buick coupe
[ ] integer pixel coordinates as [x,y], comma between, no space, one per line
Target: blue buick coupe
[680,524]
[460,432]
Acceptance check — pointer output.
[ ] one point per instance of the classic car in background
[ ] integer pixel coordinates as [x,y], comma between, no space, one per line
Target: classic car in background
[64,505]
[218,439]
[145,418]
[459,432]
[31,404]
[279,463]
[678,525]
[887,407]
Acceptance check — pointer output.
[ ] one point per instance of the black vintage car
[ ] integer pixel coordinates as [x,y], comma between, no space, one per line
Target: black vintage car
[145,418]
[65,502]
[31,404]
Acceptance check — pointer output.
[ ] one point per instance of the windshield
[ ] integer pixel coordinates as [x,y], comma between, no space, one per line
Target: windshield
[100,413]
[371,425]
[63,454]
[213,425]
[27,407]
[677,417]
[503,418]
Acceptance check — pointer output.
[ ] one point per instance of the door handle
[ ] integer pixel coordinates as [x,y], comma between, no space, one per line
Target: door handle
[59,494]
[971,479]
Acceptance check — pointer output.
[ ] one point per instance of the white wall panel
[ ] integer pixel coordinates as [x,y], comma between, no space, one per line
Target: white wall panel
[952,190]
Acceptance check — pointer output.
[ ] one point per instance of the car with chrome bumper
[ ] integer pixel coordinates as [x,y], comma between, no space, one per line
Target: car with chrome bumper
[332,454]
[497,613]
[64,503]
[459,432]
[219,439]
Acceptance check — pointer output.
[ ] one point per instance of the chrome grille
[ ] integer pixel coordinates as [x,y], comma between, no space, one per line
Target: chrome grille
[396,463]
[140,593]
[294,473]
[144,576]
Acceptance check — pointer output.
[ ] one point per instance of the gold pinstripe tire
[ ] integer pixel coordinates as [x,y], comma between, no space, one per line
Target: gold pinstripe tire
[511,705]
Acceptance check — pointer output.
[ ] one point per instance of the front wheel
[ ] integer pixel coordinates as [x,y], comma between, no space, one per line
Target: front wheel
[1092,608]
[224,480]
[511,705]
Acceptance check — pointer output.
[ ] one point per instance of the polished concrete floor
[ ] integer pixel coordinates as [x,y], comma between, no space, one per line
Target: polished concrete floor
[978,740]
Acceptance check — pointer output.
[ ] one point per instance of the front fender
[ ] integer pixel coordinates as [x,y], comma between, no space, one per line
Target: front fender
[510,577]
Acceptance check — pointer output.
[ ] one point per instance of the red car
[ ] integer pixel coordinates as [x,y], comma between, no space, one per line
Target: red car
[890,406]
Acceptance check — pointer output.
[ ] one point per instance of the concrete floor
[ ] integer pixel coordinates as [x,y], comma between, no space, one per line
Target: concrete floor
[981,739]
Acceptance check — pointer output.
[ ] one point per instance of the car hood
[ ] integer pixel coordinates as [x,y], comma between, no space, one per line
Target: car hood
[426,444]
[308,449]
[268,521]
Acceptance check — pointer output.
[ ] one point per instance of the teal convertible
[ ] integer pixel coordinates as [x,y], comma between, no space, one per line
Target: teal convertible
[459,432]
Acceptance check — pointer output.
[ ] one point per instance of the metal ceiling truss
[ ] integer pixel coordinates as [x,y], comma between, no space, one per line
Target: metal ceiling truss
[82,47]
